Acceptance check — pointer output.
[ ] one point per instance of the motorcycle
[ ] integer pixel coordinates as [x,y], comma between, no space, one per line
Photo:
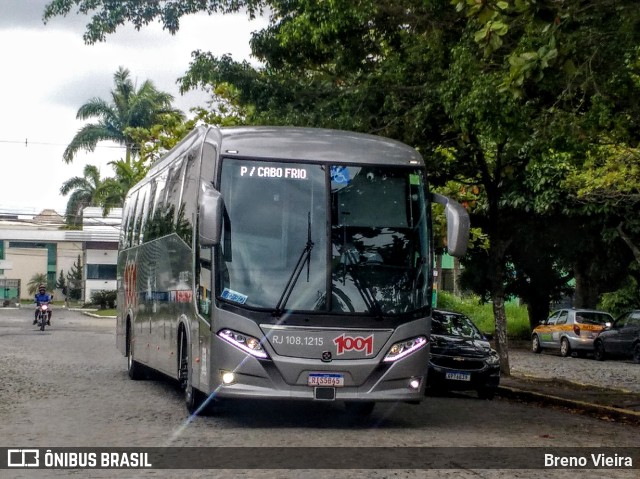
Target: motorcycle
[42,315]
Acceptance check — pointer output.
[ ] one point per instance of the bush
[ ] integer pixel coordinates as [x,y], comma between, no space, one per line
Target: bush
[104,298]
[482,314]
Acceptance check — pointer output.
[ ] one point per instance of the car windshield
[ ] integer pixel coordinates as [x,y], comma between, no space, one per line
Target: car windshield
[333,239]
[590,317]
[453,324]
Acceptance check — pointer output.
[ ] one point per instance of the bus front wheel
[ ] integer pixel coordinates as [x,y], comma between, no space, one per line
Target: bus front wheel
[193,398]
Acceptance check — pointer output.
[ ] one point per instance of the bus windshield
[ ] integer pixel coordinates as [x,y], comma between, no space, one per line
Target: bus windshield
[333,239]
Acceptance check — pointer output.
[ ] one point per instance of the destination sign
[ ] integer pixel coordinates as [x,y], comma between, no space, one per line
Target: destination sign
[274,172]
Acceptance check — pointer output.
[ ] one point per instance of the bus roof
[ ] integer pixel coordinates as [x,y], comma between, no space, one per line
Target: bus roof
[312,144]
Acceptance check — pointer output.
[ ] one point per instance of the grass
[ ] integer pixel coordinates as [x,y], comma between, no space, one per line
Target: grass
[482,314]
[105,312]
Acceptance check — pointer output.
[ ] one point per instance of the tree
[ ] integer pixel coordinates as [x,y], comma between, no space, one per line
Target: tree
[129,108]
[113,191]
[35,281]
[61,283]
[74,281]
[85,191]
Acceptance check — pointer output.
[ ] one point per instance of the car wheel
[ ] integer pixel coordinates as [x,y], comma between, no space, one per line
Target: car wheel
[565,348]
[598,352]
[636,353]
[535,344]
[487,393]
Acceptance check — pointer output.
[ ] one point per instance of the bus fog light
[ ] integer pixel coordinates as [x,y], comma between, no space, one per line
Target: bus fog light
[228,378]
[404,348]
[414,383]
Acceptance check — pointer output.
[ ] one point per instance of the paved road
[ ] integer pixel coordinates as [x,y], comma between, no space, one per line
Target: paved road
[68,387]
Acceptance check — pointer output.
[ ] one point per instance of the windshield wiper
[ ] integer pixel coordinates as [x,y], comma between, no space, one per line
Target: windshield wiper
[305,257]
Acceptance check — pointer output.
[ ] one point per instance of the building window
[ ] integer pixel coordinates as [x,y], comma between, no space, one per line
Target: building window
[101,271]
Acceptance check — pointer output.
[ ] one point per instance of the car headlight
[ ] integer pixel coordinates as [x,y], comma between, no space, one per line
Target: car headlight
[493,358]
[247,343]
[404,348]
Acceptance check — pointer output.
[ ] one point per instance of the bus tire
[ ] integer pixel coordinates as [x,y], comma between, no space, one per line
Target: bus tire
[193,398]
[134,368]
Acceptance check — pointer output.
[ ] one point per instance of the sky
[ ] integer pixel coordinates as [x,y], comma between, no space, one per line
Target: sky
[48,72]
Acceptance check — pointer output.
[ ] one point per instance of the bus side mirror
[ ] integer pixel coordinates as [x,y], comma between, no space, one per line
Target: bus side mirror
[458,224]
[211,205]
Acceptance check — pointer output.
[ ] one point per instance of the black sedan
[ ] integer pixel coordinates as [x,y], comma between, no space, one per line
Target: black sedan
[461,356]
[621,339]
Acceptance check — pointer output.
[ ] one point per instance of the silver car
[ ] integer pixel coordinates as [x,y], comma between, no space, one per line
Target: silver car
[570,330]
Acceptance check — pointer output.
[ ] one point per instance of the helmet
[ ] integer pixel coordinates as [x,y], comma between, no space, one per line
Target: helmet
[41,288]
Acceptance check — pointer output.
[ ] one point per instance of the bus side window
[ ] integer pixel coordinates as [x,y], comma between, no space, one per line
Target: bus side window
[126,217]
[157,220]
[172,210]
[131,220]
[204,275]
[139,214]
[190,187]
[146,214]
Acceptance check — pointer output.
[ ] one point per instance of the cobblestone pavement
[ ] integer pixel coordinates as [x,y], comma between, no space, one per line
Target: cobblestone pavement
[614,374]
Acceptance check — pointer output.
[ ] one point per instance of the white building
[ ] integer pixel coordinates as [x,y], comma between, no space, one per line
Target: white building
[38,245]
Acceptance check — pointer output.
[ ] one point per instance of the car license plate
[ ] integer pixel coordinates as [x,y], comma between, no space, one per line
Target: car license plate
[325,379]
[458,376]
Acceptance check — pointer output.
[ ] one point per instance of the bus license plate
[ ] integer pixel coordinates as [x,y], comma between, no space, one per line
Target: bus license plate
[458,376]
[325,379]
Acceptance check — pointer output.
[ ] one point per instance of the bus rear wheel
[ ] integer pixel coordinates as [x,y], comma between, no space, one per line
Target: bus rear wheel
[134,368]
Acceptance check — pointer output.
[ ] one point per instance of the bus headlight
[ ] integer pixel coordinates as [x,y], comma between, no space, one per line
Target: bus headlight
[404,348]
[247,343]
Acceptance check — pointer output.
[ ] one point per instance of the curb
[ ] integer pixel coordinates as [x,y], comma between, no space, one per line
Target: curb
[89,313]
[592,409]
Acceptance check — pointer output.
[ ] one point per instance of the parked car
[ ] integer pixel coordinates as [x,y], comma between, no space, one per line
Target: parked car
[570,330]
[621,339]
[461,356]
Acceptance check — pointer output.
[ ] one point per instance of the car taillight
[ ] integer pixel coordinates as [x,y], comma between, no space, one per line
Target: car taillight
[576,329]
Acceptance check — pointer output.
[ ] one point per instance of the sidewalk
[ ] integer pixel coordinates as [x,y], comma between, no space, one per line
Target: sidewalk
[603,403]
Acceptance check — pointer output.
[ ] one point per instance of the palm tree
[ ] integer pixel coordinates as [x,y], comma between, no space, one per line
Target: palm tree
[130,108]
[112,191]
[85,192]
[35,281]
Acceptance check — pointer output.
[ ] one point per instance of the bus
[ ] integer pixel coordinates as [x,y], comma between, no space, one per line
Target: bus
[282,263]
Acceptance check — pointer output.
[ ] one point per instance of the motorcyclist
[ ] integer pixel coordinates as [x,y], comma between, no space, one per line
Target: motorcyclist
[40,298]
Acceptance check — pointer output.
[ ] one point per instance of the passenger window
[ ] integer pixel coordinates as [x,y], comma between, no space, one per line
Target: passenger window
[552,319]
[562,318]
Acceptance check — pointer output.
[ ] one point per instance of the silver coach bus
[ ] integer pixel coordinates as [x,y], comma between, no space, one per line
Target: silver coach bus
[292,263]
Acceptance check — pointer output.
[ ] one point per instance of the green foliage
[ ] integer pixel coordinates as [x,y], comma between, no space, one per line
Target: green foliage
[482,314]
[104,298]
[74,281]
[84,192]
[35,281]
[107,16]
[626,297]
[129,108]
[61,283]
